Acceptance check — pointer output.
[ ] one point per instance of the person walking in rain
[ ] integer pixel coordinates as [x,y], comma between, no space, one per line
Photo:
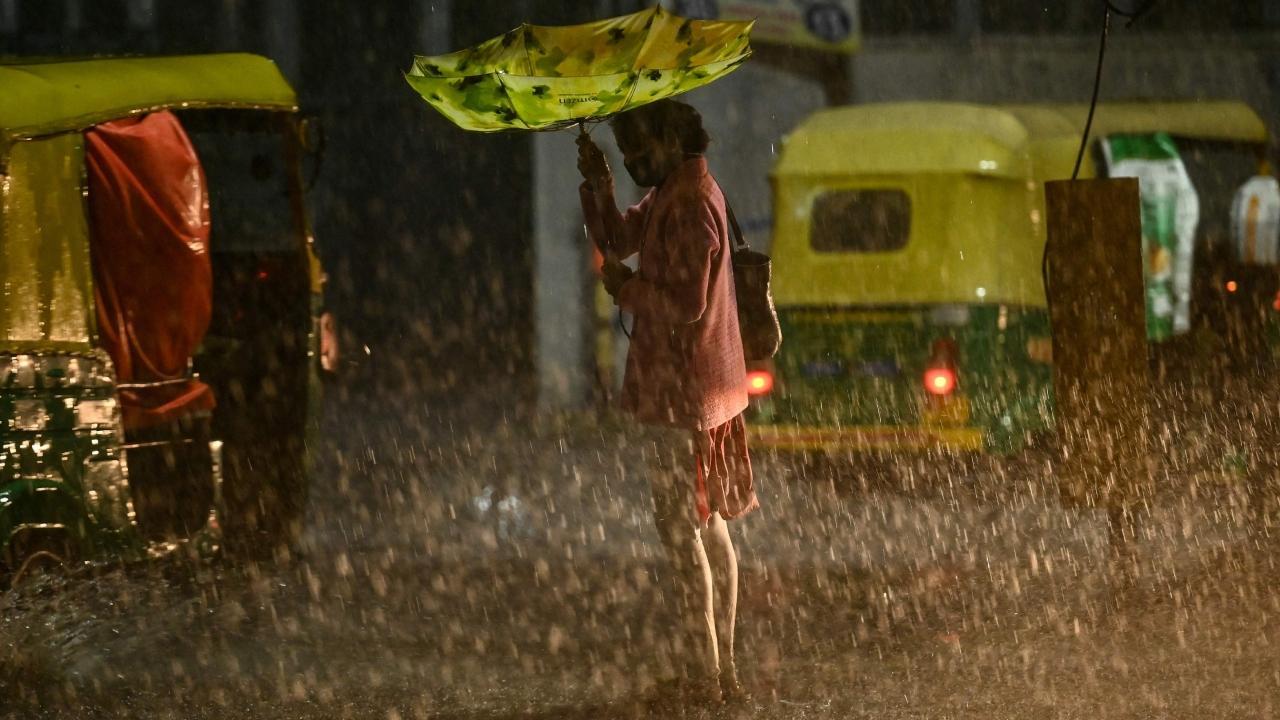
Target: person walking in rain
[685,374]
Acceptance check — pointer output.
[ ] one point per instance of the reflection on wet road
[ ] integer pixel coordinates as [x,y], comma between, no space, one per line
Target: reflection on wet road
[508,568]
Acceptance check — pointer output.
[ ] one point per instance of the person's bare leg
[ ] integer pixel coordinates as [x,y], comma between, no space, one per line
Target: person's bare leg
[691,575]
[703,612]
[694,645]
[724,572]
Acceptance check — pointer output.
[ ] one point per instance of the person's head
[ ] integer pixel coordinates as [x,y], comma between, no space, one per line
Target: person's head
[656,138]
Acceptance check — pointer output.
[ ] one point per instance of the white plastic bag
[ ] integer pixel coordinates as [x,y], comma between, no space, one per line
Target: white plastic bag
[1255,221]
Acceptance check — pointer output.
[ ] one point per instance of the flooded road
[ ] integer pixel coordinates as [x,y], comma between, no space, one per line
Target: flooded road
[463,563]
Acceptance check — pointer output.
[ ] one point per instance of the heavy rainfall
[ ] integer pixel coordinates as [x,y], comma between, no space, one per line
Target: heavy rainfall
[337,380]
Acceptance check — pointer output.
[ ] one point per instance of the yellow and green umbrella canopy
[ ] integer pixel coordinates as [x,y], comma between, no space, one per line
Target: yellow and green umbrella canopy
[544,78]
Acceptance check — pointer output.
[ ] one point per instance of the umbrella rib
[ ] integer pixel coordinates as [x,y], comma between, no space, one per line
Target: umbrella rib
[524,43]
[632,91]
[506,92]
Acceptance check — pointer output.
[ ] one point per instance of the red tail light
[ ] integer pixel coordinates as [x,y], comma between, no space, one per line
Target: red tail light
[1232,286]
[940,381]
[940,374]
[759,382]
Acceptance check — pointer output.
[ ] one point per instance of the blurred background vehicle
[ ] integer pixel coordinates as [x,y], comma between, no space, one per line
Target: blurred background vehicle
[159,345]
[908,245]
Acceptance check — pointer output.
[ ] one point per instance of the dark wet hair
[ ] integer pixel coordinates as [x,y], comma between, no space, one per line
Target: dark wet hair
[680,117]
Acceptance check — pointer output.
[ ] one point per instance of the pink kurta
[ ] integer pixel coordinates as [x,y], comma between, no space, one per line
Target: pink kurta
[685,366]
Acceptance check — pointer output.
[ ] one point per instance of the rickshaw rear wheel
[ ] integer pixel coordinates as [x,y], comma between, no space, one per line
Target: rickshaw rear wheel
[36,553]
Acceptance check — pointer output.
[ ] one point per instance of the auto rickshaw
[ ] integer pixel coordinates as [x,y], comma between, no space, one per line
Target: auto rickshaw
[159,306]
[908,244]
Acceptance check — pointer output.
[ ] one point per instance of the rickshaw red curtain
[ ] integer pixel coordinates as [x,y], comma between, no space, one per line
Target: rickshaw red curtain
[153,283]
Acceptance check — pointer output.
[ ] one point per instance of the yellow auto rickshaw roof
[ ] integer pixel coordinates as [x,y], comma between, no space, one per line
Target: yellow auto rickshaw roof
[43,98]
[1222,120]
[939,137]
[906,138]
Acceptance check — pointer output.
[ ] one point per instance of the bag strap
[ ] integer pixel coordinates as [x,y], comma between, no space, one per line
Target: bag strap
[739,241]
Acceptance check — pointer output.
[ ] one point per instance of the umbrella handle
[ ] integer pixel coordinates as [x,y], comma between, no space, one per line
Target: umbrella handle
[609,255]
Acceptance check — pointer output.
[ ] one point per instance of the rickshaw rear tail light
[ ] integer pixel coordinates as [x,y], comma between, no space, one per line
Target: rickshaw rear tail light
[940,378]
[940,381]
[759,382]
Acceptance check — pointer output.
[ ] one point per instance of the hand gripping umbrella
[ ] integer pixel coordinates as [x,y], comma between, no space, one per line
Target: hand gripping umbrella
[547,78]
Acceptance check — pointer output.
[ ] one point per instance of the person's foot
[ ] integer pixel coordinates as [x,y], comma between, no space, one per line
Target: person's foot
[730,689]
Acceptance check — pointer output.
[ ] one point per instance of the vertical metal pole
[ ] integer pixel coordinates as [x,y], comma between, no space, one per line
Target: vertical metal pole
[562,303]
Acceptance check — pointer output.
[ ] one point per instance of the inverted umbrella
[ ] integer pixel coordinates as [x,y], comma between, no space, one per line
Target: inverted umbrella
[545,78]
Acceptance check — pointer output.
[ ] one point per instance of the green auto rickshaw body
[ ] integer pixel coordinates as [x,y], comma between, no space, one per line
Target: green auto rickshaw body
[64,471]
[907,248]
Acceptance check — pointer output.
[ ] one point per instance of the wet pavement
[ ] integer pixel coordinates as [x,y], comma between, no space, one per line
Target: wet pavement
[506,567]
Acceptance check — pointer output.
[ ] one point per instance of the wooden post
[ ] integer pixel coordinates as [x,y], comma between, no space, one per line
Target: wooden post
[1100,371]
